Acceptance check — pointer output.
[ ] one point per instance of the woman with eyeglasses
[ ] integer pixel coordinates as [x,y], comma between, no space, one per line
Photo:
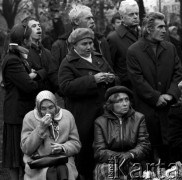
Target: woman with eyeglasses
[21,87]
[120,136]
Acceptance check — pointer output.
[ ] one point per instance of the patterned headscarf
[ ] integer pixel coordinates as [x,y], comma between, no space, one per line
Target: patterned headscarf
[54,127]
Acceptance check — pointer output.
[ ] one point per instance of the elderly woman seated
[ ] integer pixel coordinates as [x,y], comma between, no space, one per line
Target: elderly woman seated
[49,130]
[120,135]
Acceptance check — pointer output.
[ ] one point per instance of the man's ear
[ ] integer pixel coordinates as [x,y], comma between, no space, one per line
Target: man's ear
[148,30]
[76,22]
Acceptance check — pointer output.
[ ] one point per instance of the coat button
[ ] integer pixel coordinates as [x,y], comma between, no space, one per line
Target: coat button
[159,83]
[90,73]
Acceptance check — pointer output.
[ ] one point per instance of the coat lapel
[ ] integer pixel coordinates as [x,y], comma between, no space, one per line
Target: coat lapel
[146,47]
[122,31]
[80,63]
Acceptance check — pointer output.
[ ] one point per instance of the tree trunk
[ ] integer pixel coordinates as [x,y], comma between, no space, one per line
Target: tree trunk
[141,10]
[9,11]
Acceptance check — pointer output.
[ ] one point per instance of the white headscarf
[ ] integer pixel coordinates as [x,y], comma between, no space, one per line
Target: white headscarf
[47,95]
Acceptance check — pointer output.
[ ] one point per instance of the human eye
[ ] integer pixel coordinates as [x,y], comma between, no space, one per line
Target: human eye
[51,107]
[43,108]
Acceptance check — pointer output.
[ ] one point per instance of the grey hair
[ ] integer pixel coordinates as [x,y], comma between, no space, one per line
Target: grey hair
[76,11]
[125,4]
[149,22]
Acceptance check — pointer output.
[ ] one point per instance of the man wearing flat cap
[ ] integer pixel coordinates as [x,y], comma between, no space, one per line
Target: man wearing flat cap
[83,77]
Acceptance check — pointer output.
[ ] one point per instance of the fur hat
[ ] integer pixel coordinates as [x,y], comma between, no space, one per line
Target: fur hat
[79,34]
[118,89]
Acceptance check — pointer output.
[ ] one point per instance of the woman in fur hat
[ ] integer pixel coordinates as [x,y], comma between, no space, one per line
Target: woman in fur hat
[49,129]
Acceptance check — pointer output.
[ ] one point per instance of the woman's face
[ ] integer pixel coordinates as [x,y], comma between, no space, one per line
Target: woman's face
[122,104]
[84,47]
[47,107]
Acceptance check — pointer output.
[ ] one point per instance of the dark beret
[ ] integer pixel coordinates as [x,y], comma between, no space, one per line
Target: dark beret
[79,34]
[118,89]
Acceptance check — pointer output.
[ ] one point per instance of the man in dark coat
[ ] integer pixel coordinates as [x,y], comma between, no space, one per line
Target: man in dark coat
[40,58]
[83,79]
[154,70]
[80,17]
[123,37]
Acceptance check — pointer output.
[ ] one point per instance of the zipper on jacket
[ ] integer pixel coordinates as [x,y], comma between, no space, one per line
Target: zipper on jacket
[121,131]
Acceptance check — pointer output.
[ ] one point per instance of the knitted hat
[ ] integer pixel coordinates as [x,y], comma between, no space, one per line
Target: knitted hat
[118,89]
[79,34]
[18,33]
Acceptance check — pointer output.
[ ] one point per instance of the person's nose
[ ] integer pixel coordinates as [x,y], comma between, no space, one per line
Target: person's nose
[164,29]
[124,103]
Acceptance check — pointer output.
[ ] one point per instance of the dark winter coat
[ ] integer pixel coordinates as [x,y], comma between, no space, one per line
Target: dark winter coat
[20,90]
[175,132]
[41,60]
[119,41]
[114,136]
[61,47]
[84,98]
[151,76]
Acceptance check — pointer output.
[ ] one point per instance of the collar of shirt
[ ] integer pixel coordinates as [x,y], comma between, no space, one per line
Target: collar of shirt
[89,59]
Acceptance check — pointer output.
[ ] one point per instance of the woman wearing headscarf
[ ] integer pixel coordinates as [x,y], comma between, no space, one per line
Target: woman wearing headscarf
[120,136]
[21,88]
[84,76]
[49,129]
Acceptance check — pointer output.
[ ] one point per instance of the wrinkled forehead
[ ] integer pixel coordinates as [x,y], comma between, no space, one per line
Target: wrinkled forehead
[32,23]
[132,9]
[85,14]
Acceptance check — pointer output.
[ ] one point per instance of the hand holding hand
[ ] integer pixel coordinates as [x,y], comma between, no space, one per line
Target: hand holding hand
[56,148]
[125,156]
[32,75]
[161,101]
[110,77]
[167,97]
[100,77]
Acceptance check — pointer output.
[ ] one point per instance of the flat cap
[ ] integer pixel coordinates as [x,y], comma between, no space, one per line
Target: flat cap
[79,34]
[118,89]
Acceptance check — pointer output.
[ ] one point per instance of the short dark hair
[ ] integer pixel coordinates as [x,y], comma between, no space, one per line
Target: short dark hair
[149,22]
[27,19]
[115,16]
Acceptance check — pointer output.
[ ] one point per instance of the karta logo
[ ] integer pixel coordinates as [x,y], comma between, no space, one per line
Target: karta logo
[117,170]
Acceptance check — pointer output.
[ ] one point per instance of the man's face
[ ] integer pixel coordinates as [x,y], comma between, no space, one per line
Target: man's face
[159,31]
[117,23]
[84,47]
[36,29]
[86,20]
[131,17]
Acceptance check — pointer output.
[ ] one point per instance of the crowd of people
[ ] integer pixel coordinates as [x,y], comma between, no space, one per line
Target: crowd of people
[121,94]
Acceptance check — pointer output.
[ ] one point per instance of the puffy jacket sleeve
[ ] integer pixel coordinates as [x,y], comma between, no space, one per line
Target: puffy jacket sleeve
[142,148]
[101,150]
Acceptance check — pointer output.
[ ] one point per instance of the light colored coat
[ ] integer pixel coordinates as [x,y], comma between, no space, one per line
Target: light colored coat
[32,141]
